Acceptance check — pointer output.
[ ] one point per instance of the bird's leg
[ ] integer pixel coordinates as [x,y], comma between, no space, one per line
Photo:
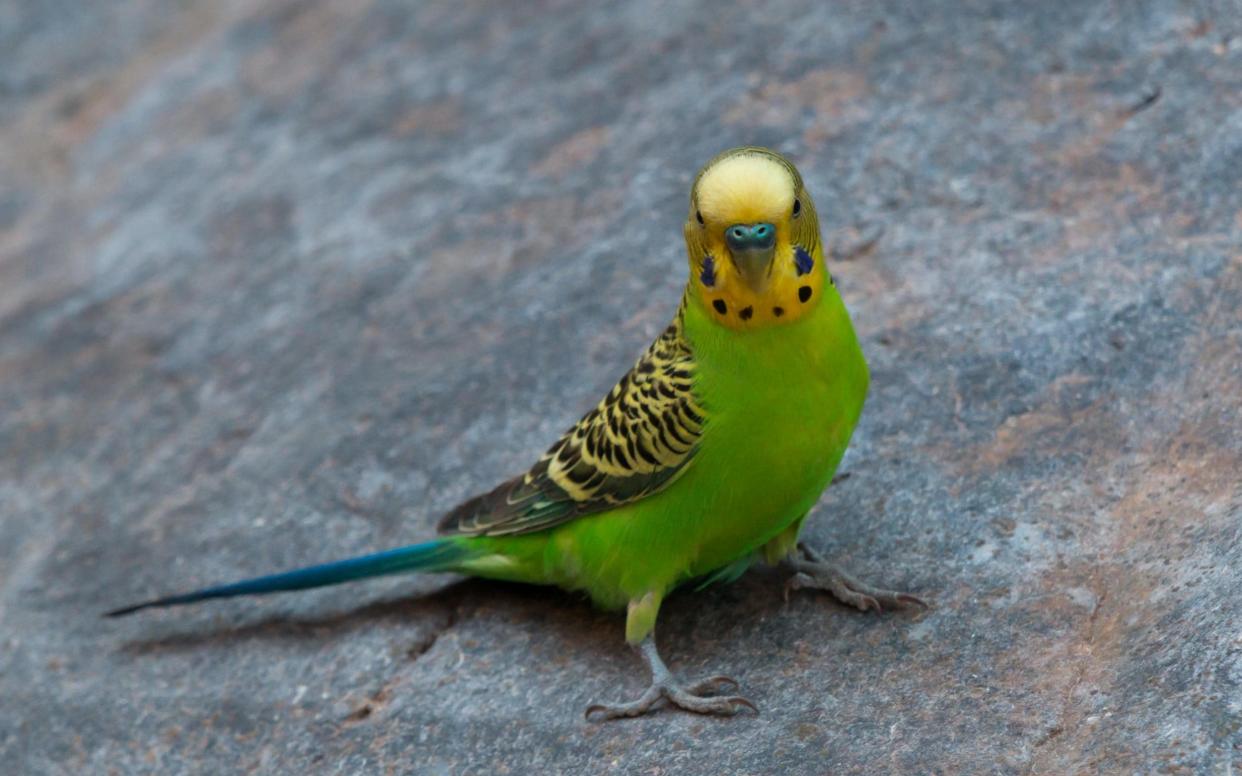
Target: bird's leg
[812,571]
[699,697]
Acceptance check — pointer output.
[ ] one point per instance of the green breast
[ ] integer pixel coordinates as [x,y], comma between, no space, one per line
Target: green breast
[782,403]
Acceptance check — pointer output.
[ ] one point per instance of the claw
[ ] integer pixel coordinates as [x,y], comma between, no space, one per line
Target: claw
[813,572]
[725,706]
[658,695]
[594,708]
[700,697]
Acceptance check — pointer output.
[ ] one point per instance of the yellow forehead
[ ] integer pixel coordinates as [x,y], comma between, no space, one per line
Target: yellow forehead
[746,188]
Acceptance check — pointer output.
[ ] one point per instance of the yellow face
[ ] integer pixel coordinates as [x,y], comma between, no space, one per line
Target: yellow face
[753,240]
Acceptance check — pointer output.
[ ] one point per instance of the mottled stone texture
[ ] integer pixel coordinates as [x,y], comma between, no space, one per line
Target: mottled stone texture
[281,282]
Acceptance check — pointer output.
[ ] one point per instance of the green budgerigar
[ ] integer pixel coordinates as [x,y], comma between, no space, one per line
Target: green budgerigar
[705,458]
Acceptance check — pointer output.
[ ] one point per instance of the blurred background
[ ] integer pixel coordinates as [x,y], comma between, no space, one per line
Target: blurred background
[281,282]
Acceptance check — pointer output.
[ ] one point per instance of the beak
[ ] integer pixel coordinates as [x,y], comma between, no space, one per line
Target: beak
[751,247]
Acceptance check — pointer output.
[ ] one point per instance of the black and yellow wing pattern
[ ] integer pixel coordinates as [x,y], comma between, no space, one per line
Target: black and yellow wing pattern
[634,443]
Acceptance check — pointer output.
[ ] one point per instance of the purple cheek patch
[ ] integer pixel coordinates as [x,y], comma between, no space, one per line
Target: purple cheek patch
[802,261]
[708,273]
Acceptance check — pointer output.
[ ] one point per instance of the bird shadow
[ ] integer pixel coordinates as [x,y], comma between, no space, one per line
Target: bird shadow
[441,609]
[571,615]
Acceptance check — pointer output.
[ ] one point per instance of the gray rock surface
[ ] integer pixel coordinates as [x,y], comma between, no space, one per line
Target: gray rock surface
[281,282]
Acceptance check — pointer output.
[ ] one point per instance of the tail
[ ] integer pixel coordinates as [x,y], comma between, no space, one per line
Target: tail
[435,555]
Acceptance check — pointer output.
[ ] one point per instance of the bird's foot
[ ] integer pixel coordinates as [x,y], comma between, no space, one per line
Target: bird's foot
[702,697]
[813,572]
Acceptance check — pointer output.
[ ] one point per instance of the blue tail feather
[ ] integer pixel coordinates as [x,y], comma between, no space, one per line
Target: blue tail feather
[429,556]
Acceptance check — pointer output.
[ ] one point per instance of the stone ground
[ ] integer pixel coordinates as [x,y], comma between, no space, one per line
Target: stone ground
[281,282]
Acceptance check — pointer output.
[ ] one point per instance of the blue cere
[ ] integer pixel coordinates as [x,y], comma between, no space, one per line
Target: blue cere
[803,261]
[708,273]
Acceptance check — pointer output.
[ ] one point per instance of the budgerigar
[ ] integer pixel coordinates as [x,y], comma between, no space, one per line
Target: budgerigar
[703,459]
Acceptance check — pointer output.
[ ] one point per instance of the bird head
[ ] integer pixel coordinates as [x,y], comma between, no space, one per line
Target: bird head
[752,239]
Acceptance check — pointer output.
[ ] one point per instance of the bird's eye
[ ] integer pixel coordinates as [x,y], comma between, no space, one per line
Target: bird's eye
[698,215]
[797,208]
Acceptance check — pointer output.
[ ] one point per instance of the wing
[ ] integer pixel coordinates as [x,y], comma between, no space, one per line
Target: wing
[635,442]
